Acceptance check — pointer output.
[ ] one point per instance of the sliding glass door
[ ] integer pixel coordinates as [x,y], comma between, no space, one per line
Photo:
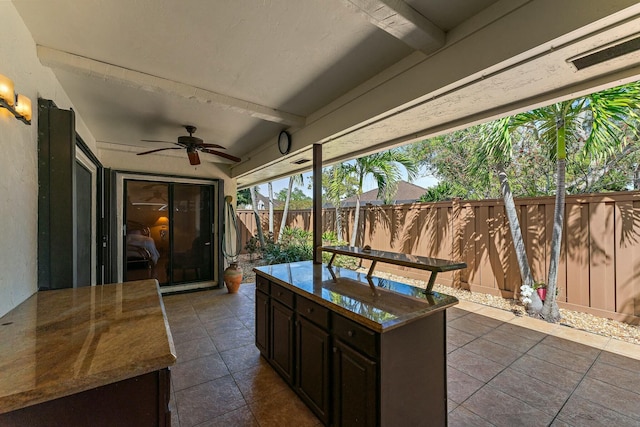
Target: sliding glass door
[168,232]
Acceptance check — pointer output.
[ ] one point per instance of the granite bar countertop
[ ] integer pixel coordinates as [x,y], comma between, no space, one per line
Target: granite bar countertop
[350,294]
[62,342]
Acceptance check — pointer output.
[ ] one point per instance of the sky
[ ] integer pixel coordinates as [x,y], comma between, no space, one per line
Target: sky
[369,184]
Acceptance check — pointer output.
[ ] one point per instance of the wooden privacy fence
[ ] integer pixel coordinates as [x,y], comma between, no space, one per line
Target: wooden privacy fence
[600,255]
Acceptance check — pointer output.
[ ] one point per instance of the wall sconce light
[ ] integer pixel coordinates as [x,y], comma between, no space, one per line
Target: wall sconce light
[19,105]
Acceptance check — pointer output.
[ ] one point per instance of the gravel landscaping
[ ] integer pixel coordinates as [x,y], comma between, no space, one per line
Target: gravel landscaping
[573,319]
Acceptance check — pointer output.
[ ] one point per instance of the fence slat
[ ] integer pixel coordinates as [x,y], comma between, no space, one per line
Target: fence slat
[600,256]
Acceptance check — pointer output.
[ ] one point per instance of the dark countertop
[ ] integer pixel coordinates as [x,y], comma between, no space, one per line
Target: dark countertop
[66,341]
[393,305]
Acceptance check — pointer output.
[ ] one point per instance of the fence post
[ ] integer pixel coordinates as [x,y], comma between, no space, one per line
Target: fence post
[456,244]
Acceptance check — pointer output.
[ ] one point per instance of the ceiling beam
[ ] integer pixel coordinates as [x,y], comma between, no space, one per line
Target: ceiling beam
[403,22]
[90,67]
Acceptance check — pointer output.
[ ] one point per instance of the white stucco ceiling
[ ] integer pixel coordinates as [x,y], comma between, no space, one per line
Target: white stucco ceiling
[354,75]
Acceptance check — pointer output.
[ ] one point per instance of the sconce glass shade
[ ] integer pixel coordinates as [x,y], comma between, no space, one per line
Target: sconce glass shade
[163,220]
[7,93]
[23,107]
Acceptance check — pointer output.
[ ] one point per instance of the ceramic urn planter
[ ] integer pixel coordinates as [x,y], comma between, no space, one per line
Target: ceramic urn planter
[232,277]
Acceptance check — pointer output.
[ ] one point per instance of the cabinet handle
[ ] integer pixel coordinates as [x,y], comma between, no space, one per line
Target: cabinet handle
[350,333]
[335,349]
[309,310]
[279,294]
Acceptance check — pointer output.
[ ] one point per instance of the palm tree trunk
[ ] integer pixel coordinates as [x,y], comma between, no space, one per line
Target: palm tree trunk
[550,310]
[338,223]
[254,204]
[356,219]
[518,242]
[285,212]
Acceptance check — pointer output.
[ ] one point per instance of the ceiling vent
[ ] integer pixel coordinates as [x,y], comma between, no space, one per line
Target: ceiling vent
[606,53]
[301,161]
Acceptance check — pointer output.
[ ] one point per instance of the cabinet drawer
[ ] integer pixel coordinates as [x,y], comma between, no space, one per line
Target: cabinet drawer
[355,335]
[283,295]
[314,312]
[262,284]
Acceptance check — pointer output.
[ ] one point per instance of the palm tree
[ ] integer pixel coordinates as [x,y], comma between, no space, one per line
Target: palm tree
[595,122]
[592,123]
[337,185]
[293,179]
[497,148]
[254,204]
[385,169]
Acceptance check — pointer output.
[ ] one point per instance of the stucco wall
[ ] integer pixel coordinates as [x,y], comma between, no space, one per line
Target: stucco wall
[19,160]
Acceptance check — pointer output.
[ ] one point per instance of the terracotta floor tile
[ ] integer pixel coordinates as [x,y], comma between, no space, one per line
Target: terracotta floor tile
[462,417]
[282,409]
[241,358]
[511,340]
[461,386]
[470,326]
[207,401]
[504,410]
[514,329]
[241,417]
[584,413]
[258,381]
[493,351]
[472,364]
[582,349]
[223,326]
[615,398]
[194,349]
[619,377]
[620,361]
[234,339]
[459,338]
[198,371]
[548,372]
[565,358]
[540,395]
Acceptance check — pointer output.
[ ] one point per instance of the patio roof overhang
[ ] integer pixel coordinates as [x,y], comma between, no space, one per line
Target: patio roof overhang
[355,76]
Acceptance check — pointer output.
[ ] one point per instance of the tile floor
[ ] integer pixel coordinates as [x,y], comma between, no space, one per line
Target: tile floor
[502,370]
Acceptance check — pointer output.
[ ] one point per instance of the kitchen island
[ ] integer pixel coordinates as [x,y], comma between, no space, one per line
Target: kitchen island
[358,350]
[88,356]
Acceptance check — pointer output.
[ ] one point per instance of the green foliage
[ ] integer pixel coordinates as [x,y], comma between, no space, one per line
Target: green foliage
[442,191]
[298,199]
[243,197]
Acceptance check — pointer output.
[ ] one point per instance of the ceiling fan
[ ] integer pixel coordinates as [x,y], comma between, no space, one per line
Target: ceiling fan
[193,145]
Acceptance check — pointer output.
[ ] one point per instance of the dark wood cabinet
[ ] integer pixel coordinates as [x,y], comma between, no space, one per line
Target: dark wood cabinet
[355,387]
[262,323]
[138,401]
[312,375]
[347,373]
[282,350]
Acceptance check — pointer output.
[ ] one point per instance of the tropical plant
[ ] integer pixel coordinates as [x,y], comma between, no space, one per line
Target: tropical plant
[293,179]
[254,204]
[243,197]
[595,126]
[384,167]
[337,185]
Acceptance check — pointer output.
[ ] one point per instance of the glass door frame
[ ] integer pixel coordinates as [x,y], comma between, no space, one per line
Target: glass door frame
[119,229]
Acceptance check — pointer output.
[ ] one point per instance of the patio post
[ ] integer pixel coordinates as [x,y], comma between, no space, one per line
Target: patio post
[317,203]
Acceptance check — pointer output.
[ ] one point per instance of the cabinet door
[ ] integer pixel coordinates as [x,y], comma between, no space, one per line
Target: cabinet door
[355,386]
[282,340]
[262,323]
[312,379]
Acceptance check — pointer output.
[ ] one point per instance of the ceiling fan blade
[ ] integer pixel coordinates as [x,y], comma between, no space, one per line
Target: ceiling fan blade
[159,149]
[194,159]
[218,153]
[205,145]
